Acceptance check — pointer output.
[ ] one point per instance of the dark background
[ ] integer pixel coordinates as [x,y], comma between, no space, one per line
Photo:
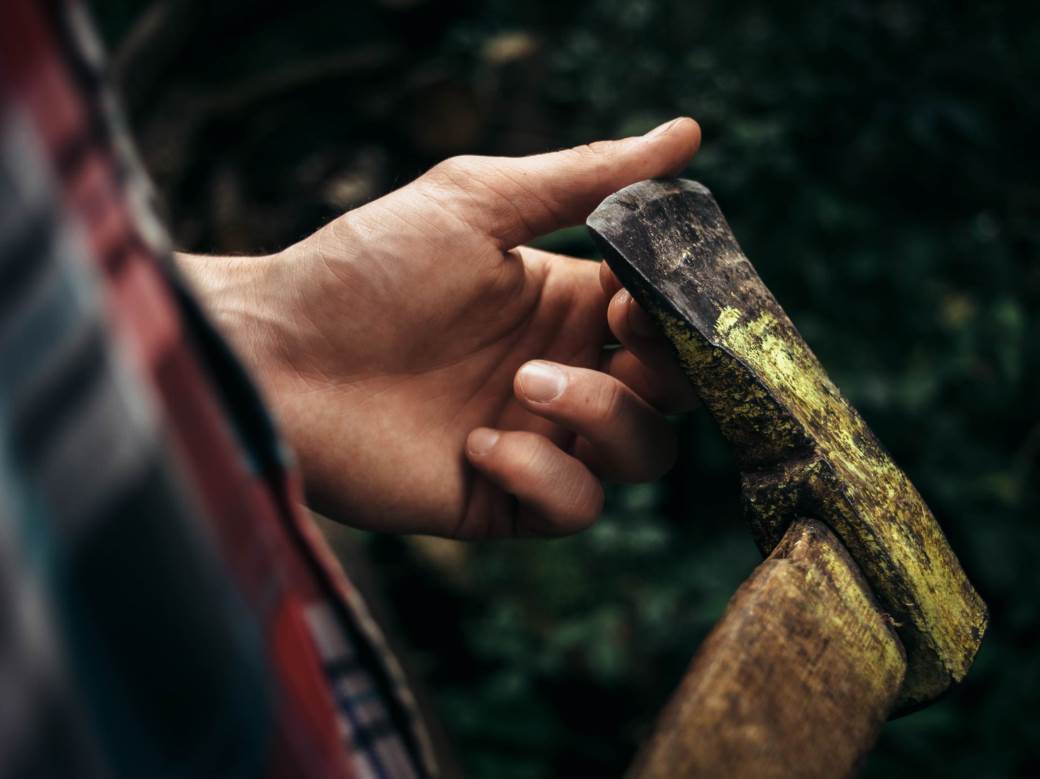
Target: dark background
[876,159]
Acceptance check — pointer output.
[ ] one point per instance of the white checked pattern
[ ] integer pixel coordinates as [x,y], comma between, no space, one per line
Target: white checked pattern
[375,746]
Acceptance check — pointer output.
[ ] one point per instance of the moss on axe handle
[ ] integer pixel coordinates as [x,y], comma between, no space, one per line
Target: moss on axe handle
[803,450]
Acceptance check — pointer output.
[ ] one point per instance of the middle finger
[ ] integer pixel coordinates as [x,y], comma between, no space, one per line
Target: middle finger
[629,441]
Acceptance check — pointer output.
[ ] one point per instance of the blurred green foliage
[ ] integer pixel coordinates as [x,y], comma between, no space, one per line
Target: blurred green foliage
[876,159]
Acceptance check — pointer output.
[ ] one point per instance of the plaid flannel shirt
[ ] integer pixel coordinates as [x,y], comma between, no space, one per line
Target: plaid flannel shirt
[166,607]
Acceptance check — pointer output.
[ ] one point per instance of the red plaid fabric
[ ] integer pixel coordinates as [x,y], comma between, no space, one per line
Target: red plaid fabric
[184,616]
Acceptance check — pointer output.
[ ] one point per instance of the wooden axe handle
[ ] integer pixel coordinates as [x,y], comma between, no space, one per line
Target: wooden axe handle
[795,680]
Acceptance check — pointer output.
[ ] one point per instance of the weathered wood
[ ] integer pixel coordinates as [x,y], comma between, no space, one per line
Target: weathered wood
[803,450]
[795,680]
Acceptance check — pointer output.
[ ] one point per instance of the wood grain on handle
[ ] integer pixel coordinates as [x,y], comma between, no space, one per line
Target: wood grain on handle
[795,680]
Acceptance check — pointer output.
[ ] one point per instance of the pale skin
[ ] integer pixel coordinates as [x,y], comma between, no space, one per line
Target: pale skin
[435,375]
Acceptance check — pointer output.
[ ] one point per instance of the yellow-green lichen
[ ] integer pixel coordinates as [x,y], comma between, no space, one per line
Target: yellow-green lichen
[885,522]
[771,397]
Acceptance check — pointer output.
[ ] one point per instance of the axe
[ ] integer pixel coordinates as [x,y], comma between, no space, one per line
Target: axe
[860,609]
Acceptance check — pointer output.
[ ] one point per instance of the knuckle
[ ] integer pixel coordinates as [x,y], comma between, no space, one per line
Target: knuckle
[583,151]
[453,168]
[532,457]
[603,148]
[588,504]
[608,401]
[594,150]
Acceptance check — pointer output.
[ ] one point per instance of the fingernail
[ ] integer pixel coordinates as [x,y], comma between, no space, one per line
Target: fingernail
[661,129]
[541,382]
[482,439]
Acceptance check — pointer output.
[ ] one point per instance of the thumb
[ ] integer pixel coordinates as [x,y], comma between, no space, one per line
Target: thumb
[515,199]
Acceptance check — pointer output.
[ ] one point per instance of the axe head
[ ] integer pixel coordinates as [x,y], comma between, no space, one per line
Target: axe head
[802,449]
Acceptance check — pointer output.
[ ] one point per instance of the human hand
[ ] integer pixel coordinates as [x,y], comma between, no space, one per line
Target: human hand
[435,375]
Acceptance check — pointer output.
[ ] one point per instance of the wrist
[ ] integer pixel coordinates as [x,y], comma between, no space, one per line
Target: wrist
[239,294]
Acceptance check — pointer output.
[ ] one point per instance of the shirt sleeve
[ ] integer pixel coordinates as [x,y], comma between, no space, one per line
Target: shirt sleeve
[186,616]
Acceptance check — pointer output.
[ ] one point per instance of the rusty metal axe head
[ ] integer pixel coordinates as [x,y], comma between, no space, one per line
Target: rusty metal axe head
[802,449]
